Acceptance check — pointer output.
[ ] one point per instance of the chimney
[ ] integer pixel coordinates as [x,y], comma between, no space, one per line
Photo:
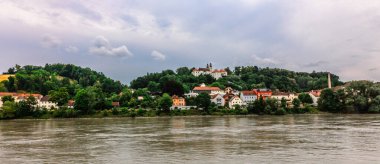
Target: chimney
[329,80]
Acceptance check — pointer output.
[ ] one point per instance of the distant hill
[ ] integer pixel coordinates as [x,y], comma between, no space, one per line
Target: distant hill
[241,78]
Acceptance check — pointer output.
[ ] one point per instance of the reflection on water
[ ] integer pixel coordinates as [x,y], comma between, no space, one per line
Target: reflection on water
[273,139]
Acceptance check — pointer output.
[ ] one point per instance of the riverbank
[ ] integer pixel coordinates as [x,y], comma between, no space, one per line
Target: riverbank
[125,112]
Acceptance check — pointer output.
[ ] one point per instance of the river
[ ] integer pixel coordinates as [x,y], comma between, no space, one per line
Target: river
[233,139]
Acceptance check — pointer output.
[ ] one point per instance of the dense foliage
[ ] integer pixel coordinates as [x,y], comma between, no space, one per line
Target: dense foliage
[37,79]
[242,78]
[357,97]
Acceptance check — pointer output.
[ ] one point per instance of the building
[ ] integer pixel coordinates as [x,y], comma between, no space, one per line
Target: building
[46,103]
[264,93]
[209,71]
[289,97]
[70,104]
[234,101]
[178,101]
[218,100]
[116,104]
[248,97]
[205,89]
[315,94]
[20,97]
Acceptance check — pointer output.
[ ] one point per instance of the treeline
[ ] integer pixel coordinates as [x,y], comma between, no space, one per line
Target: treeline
[357,97]
[38,79]
[241,78]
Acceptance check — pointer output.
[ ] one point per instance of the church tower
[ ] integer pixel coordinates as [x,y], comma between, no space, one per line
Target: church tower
[210,66]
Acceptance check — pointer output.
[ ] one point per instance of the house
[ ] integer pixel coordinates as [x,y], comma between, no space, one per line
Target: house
[289,97]
[178,101]
[234,101]
[70,104]
[205,89]
[209,71]
[229,90]
[315,94]
[218,100]
[116,104]
[20,96]
[46,103]
[248,97]
[264,93]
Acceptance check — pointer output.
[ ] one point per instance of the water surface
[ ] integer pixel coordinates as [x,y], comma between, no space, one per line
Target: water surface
[235,139]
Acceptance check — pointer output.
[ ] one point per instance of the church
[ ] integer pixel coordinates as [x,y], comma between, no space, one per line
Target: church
[215,73]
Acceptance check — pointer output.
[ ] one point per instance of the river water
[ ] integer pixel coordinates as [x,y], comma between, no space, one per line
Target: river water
[233,139]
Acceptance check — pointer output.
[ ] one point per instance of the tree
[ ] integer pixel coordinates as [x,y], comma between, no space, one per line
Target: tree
[10,84]
[165,102]
[296,103]
[60,96]
[283,103]
[173,87]
[203,100]
[305,98]
[7,98]
[154,87]
[183,71]
[329,101]
[9,109]
[126,95]
[84,101]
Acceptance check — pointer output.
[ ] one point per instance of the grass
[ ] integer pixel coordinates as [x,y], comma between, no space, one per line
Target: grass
[4,77]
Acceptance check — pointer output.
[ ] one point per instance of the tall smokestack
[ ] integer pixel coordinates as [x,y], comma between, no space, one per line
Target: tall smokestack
[329,80]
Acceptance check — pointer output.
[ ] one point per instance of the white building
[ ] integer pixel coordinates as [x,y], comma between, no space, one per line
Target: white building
[289,97]
[235,101]
[205,89]
[41,100]
[209,71]
[218,100]
[248,97]
[46,103]
[315,94]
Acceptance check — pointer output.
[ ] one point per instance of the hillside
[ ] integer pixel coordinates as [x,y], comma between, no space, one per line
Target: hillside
[38,79]
[4,77]
[241,78]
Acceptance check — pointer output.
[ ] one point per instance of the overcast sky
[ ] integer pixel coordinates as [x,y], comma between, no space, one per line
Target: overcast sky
[128,38]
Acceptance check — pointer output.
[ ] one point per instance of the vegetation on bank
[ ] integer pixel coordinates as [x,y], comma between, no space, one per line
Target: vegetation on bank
[94,93]
[357,97]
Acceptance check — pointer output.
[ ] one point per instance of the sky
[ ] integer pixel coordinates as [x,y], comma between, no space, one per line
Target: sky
[126,39]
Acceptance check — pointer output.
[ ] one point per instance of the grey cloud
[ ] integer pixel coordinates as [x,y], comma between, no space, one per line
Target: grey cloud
[71,49]
[158,55]
[50,41]
[316,64]
[103,47]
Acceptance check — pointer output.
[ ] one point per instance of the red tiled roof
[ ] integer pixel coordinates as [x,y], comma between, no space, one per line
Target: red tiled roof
[248,92]
[115,104]
[206,89]
[21,95]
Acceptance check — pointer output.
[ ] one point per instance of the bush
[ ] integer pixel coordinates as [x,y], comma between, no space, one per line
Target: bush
[281,111]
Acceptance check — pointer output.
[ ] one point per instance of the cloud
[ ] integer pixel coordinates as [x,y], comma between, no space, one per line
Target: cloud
[103,47]
[263,61]
[158,56]
[71,49]
[316,64]
[50,41]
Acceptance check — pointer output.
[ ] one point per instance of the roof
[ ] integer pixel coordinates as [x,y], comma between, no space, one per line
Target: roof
[221,71]
[281,94]
[248,92]
[234,98]
[115,104]
[71,103]
[21,95]
[45,98]
[216,95]
[201,69]
[206,89]
[176,97]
